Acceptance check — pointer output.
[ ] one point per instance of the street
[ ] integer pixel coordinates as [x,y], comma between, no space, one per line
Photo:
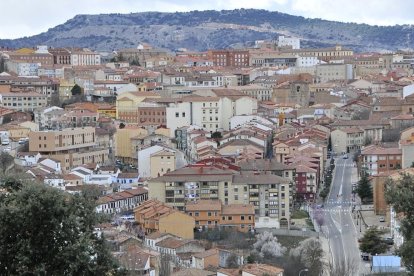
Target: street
[339,226]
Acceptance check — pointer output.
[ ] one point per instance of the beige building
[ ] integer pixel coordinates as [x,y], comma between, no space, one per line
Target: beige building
[269,194]
[154,216]
[127,105]
[24,101]
[347,139]
[162,162]
[125,149]
[72,146]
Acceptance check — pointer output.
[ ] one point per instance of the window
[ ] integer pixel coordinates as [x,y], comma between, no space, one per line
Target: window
[177,114]
[229,218]
[226,184]
[209,214]
[250,217]
[196,214]
[183,114]
[236,197]
[190,214]
[223,218]
[242,217]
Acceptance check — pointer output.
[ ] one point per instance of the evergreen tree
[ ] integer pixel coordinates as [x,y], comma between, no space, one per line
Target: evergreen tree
[76,90]
[372,243]
[400,194]
[45,231]
[364,188]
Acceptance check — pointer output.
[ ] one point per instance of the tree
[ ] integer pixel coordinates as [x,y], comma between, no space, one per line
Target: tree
[344,267]
[45,231]
[76,90]
[165,265]
[3,64]
[372,242]
[6,160]
[232,261]
[400,195]
[364,188]
[310,254]
[267,246]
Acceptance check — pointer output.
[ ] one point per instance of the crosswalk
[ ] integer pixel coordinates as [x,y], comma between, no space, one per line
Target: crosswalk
[348,165]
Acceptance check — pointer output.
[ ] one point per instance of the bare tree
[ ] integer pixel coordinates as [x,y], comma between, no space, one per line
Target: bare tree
[165,265]
[310,253]
[344,267]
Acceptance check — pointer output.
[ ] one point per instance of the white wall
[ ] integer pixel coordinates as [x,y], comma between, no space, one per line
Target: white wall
[174,122]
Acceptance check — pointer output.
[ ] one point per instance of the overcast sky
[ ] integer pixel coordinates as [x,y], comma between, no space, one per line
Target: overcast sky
[30,17]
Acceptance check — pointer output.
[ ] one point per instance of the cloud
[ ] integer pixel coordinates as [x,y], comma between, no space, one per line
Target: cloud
[28,17]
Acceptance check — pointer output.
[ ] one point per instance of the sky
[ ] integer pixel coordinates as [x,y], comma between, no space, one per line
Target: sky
[29,17]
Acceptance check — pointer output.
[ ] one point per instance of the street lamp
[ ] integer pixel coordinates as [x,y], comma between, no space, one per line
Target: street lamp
[303,270]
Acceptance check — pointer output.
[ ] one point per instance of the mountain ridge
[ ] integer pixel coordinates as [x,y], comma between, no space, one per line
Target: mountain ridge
[210,29]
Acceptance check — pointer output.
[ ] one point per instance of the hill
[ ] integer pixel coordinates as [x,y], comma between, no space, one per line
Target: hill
[201,30]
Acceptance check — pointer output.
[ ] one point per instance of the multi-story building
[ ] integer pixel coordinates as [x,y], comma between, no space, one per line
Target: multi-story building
[84,57]
[347,139]
[127,105]
[23,100]
[376,159]
[325,54]
[331,72]
[60,56]
[39,56]
[211,213]
[71,146]
[229,57]
[154,216]
[283,41]
[306,182]
[270,194]
[258,92]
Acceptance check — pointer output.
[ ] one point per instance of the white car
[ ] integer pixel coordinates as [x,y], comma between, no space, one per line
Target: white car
[7,149]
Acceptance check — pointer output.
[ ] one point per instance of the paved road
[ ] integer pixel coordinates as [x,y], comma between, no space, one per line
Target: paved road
[339,225]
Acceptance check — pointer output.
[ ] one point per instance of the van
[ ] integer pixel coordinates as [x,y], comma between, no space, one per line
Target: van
[5,141]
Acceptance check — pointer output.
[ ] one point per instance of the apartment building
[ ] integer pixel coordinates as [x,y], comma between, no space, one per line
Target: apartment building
[283,41]
[127,105]
[84,57]
[376,159]
[154,216]
[229,57]
[60,56]
[39,56]
[325,54]
[306,182]
[258,92]
[269,194]
[71,146]
[332,72]
[347,139]
[211,213]
[121,201]
[23,100]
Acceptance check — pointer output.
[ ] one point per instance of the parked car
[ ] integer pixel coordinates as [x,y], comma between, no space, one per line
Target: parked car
[389,240]
[382,219]
[365,257]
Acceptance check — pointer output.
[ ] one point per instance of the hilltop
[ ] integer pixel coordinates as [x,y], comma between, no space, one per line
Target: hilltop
[201,30]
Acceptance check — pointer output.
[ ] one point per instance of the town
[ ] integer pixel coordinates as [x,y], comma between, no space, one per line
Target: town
[223,162]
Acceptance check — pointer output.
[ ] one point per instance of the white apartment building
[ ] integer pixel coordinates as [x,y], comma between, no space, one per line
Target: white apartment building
[85,57]
[306,61]
[288,41]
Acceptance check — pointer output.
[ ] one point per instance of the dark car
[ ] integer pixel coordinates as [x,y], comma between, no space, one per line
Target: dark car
[389,241]
[365,257]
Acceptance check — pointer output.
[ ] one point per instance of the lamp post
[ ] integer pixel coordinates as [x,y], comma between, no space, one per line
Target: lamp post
[303,270]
